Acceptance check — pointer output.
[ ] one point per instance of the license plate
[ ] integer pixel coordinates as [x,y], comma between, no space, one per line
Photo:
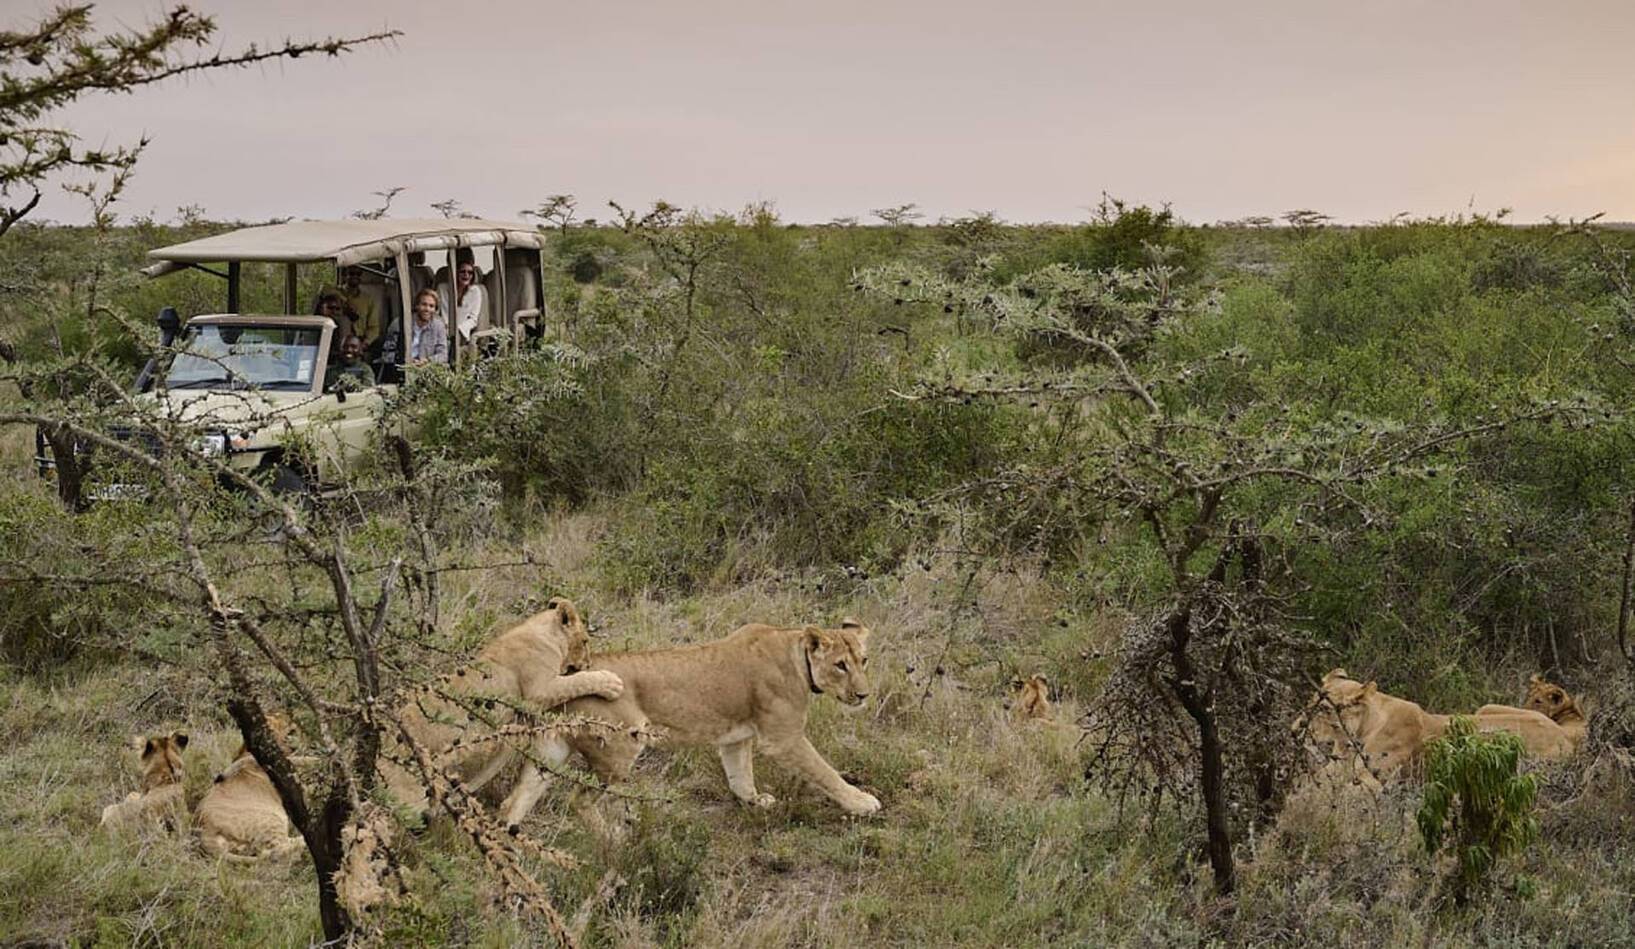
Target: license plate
[118,492]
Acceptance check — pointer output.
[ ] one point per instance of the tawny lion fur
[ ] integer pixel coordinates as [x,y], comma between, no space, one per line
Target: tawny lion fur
[1554,702]
[750,690]
[242,817]
[1032,701]
[1391,733]
[159,802]
[523,664]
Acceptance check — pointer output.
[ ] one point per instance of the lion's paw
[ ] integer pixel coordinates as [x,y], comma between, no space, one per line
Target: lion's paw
[608,685]
[762,799]
[862,805]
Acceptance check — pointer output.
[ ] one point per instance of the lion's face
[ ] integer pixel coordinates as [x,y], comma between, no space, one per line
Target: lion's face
[575,638]
[838,659]
[1032,697]
[1336,713]
[1550,699]
[161,759]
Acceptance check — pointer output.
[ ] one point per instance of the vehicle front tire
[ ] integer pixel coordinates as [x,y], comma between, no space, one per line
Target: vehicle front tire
[287,481]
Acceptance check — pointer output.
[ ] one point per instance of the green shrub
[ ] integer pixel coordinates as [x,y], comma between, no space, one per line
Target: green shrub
[1475,804]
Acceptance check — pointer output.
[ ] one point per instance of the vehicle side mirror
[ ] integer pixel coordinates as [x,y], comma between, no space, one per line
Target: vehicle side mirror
[170,325]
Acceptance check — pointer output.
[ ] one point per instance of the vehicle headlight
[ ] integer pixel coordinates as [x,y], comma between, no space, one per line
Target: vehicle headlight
[214,443]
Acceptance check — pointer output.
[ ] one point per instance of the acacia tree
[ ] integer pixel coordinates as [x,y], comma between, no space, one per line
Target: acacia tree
[902,215]
[1153,432]
[685,244]
[558,211]
[321,609]
[53,63]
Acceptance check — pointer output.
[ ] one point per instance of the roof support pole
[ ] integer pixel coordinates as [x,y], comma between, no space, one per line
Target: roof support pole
[289,289]
[233,269]
[405,300]
[501,306]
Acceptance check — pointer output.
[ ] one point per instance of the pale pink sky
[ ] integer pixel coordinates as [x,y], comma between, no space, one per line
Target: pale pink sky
[1030,108]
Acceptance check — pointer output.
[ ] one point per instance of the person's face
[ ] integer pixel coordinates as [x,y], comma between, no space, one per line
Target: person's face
[464,274]
[350,278]
[352,349]
[424,309]
[330,307]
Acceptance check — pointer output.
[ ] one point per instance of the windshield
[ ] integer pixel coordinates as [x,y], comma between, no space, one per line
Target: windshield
[237,357]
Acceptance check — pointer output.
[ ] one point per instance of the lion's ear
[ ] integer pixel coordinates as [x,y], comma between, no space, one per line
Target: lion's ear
[180,739]
[812,638]
[138,743]
[1335,673]
[147,746]
[1535,679]
[862,634]
[1370,688]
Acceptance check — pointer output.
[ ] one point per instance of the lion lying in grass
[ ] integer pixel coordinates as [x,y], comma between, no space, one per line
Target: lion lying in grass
[1032,700]
[1540,737]
[524,664]
[242,817]
[1352,718]
[1552,701]
[751,689]
[1389,732]
[160,800]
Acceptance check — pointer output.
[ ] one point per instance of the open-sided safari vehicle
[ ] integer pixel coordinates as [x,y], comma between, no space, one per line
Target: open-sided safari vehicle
[267,391]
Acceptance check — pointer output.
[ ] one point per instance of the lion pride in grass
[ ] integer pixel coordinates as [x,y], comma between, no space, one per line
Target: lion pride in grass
[751,690]
[1390,733]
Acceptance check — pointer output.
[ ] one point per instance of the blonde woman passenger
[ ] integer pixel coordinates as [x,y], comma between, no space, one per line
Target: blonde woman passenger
[468,299]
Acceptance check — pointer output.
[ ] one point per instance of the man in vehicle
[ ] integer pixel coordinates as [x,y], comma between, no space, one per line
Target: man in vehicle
[353,372]
[360,308]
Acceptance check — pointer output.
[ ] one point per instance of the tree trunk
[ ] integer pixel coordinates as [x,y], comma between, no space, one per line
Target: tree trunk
[1214,791]
[1623,599]
[1211,762]
[326,849]
[321,831]
[70,473]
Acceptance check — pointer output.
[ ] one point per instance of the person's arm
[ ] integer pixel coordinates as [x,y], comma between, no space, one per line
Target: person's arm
[471,309]
[439,343]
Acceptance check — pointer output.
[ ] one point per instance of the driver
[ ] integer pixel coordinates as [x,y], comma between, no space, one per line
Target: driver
[352,364]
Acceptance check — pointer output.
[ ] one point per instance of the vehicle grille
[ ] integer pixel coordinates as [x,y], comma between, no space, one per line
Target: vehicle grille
[142,438]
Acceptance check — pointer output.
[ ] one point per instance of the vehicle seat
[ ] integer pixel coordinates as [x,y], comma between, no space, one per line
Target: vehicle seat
[522,301]
[491,299]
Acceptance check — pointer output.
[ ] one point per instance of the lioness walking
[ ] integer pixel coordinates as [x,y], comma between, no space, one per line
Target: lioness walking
[751,688]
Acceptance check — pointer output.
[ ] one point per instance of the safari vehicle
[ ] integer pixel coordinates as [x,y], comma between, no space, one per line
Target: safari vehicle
[264,389]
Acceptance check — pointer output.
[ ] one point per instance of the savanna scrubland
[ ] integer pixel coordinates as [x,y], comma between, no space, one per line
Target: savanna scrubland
[1180,471]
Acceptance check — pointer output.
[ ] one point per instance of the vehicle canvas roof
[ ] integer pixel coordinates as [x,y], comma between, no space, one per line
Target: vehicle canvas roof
[344,242]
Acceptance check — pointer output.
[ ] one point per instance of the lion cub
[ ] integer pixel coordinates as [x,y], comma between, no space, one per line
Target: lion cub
[242,817]
[526,663]
[160,800]
[1552,701]
[1032,701]
[751,689]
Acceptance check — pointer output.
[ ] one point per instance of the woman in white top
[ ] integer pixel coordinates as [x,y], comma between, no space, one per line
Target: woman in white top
[467,305]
